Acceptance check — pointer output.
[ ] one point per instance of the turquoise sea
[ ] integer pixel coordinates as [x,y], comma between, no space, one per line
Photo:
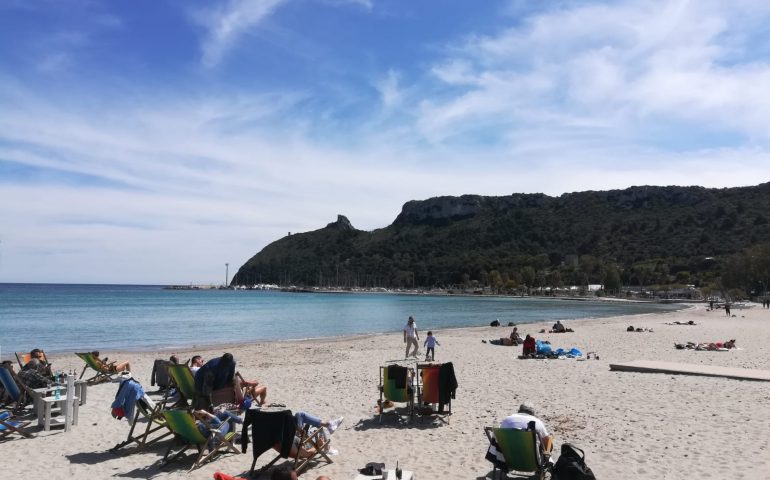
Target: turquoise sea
[67,318]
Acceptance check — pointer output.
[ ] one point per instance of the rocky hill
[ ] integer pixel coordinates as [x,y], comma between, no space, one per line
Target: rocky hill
[637,236]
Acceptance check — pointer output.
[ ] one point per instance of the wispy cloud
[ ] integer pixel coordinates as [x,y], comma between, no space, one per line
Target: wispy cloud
[225,25]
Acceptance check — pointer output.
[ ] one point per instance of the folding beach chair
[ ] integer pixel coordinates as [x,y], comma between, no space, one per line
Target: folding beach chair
[149,412]
[518,451]
[24,358]
[396,386]
[268,428]
[316,441]
[185,429]
[428,391]
[12,389]
[9,426]
[105,372]
[183,381]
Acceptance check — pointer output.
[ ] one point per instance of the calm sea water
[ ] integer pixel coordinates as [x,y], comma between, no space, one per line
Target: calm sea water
[67,318]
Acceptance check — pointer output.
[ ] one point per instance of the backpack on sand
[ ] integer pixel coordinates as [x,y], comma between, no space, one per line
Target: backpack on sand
[571,465]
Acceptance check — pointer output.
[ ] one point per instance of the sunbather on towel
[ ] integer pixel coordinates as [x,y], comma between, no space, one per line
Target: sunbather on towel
[513,340]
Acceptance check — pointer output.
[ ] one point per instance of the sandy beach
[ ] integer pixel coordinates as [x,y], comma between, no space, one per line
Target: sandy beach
[631,425]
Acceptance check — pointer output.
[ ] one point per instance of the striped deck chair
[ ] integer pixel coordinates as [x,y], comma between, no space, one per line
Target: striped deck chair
[396,387]
[520,449]
[428,390]
[185,429]
[24,358]
[149,412]
[104,371]
[9,427]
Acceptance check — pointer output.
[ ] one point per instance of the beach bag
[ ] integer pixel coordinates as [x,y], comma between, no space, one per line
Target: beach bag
[571,465]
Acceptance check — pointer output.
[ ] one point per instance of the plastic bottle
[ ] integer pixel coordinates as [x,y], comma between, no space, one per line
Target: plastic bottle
[57,391]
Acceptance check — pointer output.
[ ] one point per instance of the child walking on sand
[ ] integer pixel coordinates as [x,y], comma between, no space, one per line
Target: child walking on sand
[430,344]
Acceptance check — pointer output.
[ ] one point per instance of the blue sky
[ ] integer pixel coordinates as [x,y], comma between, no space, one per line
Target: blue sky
[153,141]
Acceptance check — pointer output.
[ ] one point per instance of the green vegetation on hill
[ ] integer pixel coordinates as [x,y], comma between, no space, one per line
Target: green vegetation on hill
[710,238]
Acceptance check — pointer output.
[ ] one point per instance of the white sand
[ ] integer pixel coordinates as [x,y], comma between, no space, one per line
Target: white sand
[631,425]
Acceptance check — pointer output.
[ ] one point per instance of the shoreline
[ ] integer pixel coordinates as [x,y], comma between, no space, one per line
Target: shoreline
[353,337]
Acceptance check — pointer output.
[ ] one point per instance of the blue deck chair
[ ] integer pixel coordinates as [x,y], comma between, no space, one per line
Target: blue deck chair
[9,426]
[16,394]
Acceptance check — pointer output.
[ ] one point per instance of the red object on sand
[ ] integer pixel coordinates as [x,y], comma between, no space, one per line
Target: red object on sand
[223,476]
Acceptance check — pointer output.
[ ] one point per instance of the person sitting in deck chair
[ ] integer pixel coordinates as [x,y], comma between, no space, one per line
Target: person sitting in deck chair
[521,421]
[303,418]
[114,366]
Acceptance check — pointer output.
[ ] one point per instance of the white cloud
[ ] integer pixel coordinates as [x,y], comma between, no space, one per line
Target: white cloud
[389,89]
[629,62]
[226,24]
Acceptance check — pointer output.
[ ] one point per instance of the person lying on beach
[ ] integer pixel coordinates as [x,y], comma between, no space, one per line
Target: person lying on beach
[513,340]
[677,322]
[113,366]
[730,344]
[638,329]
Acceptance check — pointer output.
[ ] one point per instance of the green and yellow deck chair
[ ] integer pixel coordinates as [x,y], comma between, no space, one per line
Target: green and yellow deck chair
[24,358]
[521,450]
[428,389]
[105,372]
[396,387]
[185,429]
[150,413]
[9,426]
[183,381]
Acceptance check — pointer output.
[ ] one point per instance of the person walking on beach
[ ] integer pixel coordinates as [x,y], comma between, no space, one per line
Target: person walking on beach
[430,344]
[727,309]
[411,337]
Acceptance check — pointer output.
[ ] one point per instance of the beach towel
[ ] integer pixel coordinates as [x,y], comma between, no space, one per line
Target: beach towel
[397,373]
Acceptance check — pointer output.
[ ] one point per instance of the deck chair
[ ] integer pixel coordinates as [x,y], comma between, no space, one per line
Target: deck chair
[9,426]
[395,386]
[105,372]
[428,389]
[316,441]
[149,412]
[183,381]
[521,450]
[24,358]
[12,389]
[183,424]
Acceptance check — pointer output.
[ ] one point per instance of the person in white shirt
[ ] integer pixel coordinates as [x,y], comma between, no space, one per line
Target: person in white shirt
[520,421]
[411,337]
[196,363]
